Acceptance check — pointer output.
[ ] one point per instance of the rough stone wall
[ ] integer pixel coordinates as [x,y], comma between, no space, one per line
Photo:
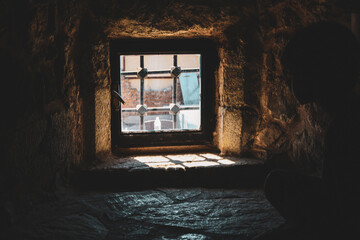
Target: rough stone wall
[56,79]
[287,130]
[55,75]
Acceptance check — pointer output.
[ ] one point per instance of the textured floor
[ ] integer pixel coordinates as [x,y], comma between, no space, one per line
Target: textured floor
[195,213]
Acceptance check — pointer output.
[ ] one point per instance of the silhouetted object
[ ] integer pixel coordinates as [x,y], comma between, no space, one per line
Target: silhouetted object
[322,64]
[118,97]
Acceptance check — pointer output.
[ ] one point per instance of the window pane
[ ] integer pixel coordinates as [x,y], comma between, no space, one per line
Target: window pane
[189,119]
[189,61]
[158,62]
[130,91]
[130,121]
[190,88]
[159,120]
[129,62]
[190,95]
[158,92]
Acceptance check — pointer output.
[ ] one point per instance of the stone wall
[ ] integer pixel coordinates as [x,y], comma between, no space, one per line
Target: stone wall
[56,79]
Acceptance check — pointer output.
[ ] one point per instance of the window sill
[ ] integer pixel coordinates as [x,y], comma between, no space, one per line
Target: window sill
[178,158]
[172,167]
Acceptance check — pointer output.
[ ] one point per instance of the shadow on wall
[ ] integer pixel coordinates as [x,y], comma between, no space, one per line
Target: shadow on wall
[322,62]
[321,53]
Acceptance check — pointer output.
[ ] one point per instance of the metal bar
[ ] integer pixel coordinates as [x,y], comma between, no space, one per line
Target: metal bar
[157,77]
[174,93]
[142,94]
[193,107]
[142,82]
[190,70]
[175,60]
[175,121]
[141,122]
[129,73]
[158,71]
[119,83]
[162,109]
[161,71]
[129,110]
[174,81]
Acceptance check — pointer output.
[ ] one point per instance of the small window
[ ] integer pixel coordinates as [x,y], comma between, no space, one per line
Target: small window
[161,92]
[166,92]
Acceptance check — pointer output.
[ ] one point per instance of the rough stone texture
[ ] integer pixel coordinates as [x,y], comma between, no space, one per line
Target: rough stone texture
[231,131]
[153,214]
[56,79]
[168,161]
[202,169]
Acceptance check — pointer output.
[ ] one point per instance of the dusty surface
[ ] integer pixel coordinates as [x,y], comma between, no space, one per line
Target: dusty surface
[173,161]
[172,170]
[153,214]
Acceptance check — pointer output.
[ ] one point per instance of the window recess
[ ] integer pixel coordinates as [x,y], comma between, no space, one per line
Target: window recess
[164,92]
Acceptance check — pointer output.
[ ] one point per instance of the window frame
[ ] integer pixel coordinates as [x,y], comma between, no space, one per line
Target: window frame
[209,61]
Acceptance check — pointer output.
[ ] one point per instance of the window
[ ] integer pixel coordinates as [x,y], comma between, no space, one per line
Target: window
[161,92]
[167,89]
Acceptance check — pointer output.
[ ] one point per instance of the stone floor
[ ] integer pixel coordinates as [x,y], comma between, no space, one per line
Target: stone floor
[165,213]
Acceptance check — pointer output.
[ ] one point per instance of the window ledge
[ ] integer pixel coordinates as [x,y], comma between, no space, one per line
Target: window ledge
[181,158]
[185,169]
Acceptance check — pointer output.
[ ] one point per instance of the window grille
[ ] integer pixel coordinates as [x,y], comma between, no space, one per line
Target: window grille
[183,112]
[183,118]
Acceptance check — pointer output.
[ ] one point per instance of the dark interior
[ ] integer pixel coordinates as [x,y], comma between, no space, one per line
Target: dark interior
[59,120]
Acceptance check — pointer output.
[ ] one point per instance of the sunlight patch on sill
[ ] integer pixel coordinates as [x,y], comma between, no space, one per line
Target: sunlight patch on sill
[185,157]
[211,156]
[226,162]
[165,165]
[151,159]
[183,161]
[200,164]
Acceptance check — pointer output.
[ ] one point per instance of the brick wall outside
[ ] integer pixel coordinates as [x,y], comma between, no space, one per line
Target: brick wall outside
[160,98]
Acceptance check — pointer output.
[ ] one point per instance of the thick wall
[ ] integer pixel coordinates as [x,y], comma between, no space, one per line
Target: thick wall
[56,80]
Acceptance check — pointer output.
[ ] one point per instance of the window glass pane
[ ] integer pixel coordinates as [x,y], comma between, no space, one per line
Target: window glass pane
[129,62]
[189,61]
[130,91]
[189,119]
[130,121]
[158,92]
[158,62]
[159,120]
[189,88]
[189,116]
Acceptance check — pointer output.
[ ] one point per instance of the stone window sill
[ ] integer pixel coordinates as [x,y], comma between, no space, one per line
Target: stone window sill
[183,166]
[171,158]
